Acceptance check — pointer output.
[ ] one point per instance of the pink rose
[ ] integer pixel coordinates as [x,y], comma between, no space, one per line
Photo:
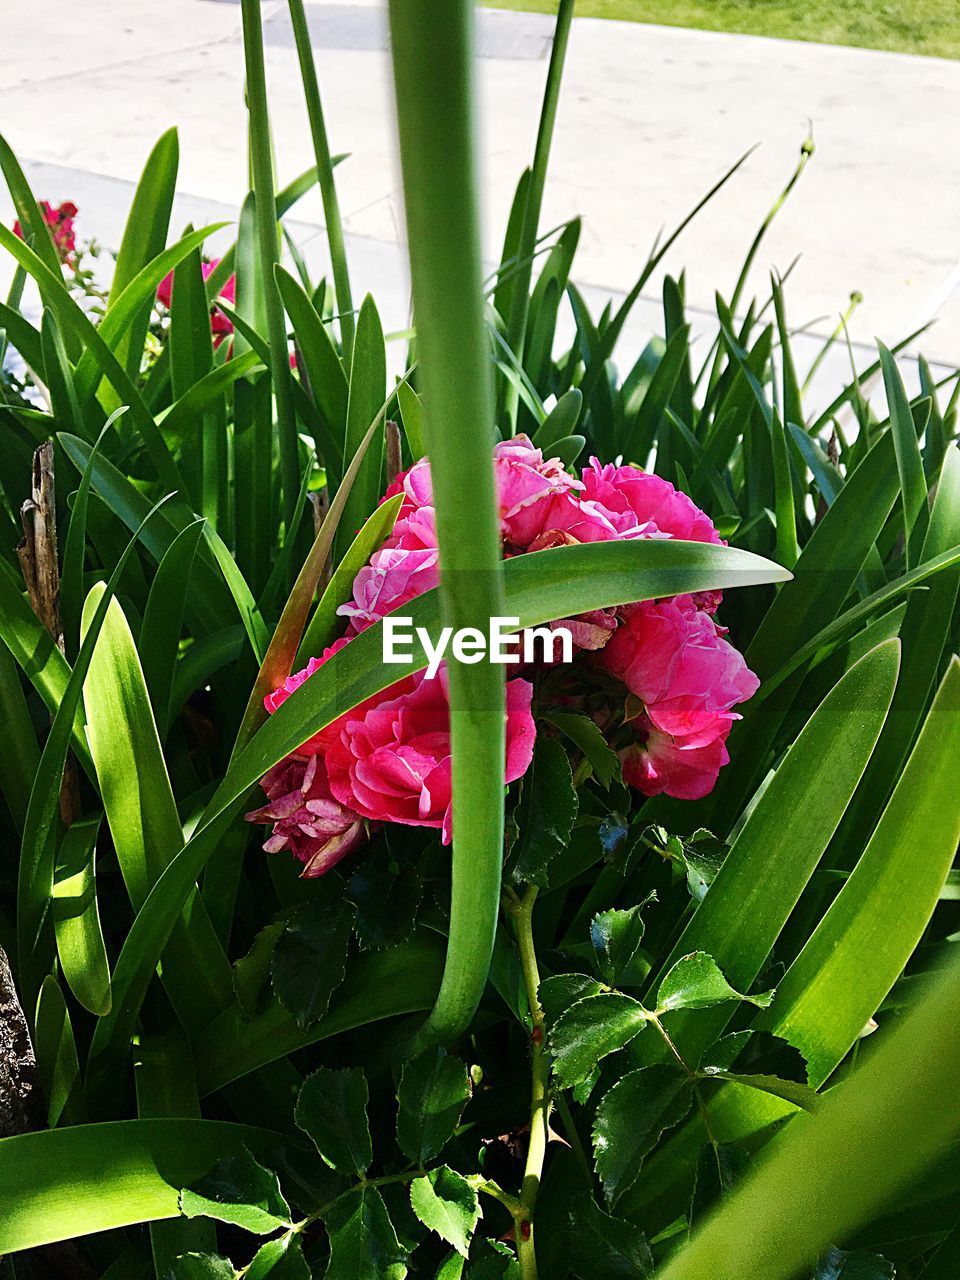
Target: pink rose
[671,765]
[674,659]
[392,578]
[390,759]
[526,483]
[634,499]
[317,829]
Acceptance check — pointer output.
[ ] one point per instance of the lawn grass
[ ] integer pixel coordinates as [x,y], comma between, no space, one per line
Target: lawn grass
[908,26]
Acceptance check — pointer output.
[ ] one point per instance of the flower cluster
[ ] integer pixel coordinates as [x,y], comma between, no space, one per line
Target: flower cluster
[221,326]
[59,218]
[668,677]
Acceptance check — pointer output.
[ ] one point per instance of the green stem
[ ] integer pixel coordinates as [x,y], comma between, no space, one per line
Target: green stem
[435,111]
[517,320]
[522,912]
[328,190]
[261,166]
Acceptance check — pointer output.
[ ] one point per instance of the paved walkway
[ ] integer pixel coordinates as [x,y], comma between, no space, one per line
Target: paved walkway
[649,118]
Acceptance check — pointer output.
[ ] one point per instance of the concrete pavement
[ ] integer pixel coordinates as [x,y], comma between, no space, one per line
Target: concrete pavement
[649,118]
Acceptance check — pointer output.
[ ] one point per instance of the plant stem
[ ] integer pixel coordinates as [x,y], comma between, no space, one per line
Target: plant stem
[435,113]
[261,165]
[517,320]
[328,190]
[522,912]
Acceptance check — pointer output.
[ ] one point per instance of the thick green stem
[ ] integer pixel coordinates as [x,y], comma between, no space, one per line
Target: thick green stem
[261,166]
[522,912]
[435,110]
[328,190]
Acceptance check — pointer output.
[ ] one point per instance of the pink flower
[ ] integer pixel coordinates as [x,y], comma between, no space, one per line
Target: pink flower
[673,657]
[59,218]
[391,759]
[635,499]
[317,829]
[220,325]
[393,577]
[671,765]
[526,483]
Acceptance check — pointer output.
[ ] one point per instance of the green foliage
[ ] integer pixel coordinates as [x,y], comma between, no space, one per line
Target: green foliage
[447,1204]
[241,1191]
[433,1091]
[332,1111]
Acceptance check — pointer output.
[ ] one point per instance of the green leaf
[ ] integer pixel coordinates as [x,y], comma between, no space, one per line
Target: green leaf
[332,1111]
[58,1066]
[559,422]
[76,918]
[163,621]
[719,1169]
[447,1204]
[386,899]
[144,237]
[434,1089]
[492,1261]
[143,820]
[861,1265]
[586,735]
[548,810]
[862,944]
[557,994]
[368,377]
[411,412]
[800,1095]
[913,486]
[363,1243]
[322,627]
[786,832]
[695,982]
[631,1118]
[251,973]
[601,1247]
[310,959]
[591,1029]
[202,1266]
[281,1259]
[616,937]
[61,1183]
[889,1119]
[240,1191]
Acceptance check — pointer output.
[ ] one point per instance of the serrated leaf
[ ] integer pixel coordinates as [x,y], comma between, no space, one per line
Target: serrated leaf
[601,1247]
[251,973]
[616,937]
[447,1204]
[240,1191]
[332,1111]
[363,1243]
[557,994]
[451,1268]
[587,736]
[493,1261]
[591,1029]
[630,1119]
[695,982]
[386,903]
[434,1089]
[201,1266]
[548,809]
[718,1170]
[861,1265]
[310,958]
[280,1259]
